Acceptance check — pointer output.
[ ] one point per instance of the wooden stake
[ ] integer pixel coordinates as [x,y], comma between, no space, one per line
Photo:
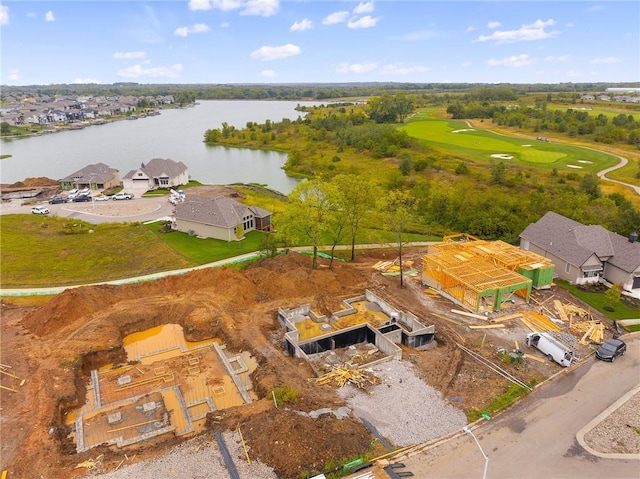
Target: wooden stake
[244,446]
[8,389]
[273,393]
[133,425]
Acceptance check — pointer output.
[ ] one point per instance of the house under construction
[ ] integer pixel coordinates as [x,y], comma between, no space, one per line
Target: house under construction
[481,275]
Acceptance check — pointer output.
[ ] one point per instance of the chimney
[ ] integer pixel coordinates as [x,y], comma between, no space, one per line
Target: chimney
[633,237]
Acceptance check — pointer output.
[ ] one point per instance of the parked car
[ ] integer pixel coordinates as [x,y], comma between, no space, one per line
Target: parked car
[40,210]
[85,191]
[611,349]
[122,196]
[72,194]
[81,198]
[57,199]
[102,198]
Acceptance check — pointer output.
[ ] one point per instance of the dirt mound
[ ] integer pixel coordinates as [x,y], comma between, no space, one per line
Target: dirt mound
[299,444]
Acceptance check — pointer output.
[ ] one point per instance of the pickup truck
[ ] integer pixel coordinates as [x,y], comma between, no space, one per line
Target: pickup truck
[122,196]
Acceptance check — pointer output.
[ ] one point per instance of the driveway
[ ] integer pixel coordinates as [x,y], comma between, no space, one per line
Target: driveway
[137,209]
[538,437]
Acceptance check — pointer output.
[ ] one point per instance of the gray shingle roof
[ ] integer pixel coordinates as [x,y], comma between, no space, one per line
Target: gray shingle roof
[576,243]
[159,167]
[218,211]
[98,173]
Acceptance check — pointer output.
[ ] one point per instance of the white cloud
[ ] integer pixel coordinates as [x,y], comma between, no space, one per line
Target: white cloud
[512,61]
[274,53]
[85,81]
[129,55]
[573,73]
[48,17]
[4,15]
[224,25]
[465,64]
[335,17]
[226,5]
[364,22]
[301,26]
[402,70]
[493,25]
[561,58]
[262,8]
[355,67]
[526,33]
[199,5]
[268,74]
[137,71]
[469,29]
[604,60]
[364,7]
[14,74]
[195,28]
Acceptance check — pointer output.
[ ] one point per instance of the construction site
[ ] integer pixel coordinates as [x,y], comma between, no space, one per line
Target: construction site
[127,373]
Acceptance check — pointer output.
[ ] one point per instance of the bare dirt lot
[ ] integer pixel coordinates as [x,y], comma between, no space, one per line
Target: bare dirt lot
[54,343]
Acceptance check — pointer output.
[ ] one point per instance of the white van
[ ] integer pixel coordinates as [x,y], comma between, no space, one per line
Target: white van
[73,194]
[553,348]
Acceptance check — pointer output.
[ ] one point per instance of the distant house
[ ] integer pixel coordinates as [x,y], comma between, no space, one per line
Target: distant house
[220,217]
[157,173]
[583,254]
[95,177]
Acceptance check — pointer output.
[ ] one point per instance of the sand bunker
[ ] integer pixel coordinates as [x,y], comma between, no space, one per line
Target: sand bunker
[525,145]
[574,166]
[463,130]
[585,161]
[502,156]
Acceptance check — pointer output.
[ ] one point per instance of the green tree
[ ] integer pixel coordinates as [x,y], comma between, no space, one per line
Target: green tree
[397,209]
[356,199]
[613,294]
[5,128]
[306,214]
[589,185]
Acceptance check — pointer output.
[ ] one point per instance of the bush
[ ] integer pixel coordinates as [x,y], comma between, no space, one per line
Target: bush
[286,395]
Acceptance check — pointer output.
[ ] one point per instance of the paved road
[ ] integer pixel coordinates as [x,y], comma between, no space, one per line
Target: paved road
[537,438]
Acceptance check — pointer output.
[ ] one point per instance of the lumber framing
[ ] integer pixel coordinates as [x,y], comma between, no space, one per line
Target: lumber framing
[478,274]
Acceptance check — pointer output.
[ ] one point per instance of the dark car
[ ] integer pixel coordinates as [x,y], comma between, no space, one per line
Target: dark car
[80,198]
[57,199]
[611,349]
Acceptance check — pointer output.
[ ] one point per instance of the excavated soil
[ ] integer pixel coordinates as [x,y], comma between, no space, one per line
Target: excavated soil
[53,343]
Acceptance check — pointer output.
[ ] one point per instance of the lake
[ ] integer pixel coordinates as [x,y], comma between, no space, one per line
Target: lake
[176,134]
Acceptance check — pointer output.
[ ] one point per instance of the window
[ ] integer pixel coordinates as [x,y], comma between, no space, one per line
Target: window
[567,268]
[164,181]
[591,274]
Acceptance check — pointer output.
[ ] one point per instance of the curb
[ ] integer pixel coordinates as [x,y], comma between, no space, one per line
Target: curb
[601,417]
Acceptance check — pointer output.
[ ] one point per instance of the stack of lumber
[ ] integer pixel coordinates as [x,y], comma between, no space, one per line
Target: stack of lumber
[567,311]
[392,268]
[343,375]
[594,332]
[539,322]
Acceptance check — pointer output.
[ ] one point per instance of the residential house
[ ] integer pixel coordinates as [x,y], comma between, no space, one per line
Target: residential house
[220,218]
[157,173]
[584,254]
[96,177]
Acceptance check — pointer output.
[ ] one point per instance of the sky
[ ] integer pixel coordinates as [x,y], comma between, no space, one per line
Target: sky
[318,41]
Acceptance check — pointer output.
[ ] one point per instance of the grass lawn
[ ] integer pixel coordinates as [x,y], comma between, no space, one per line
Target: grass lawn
[206,250]
[455,135]
[40,251]
[598,301]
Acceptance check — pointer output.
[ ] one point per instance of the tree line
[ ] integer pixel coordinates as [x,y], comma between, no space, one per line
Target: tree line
[448,192]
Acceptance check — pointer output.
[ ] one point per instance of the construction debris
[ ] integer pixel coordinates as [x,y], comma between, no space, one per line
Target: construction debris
[90,463]
[538,322]
[343,375]
[594,333]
